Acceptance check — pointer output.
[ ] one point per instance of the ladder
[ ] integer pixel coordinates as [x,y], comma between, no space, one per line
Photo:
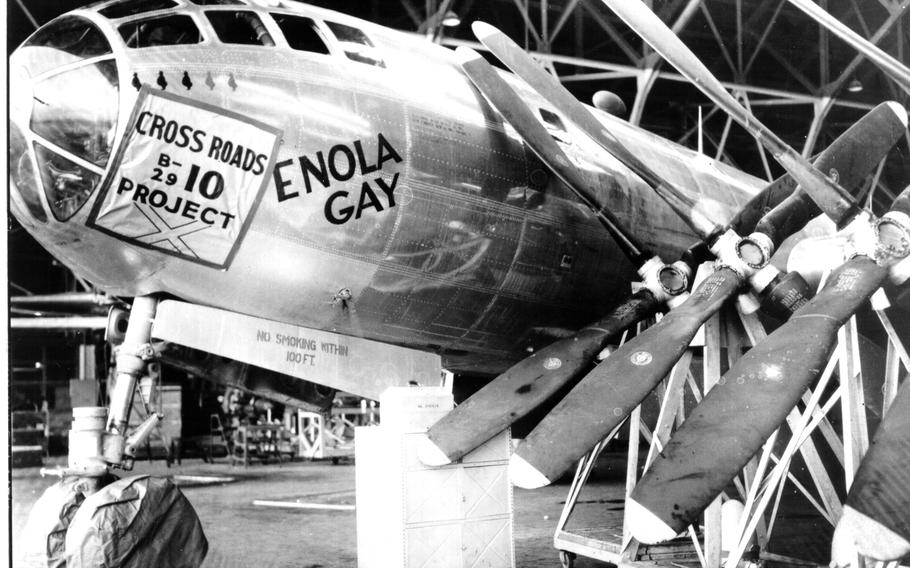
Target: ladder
[217,437]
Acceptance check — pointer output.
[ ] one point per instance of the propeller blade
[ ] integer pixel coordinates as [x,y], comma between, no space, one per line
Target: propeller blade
[534,380]
[606,395]
[849,159]
[527,385]
[624,379]
[760,389]
[872,136]
[530,383]
[833,200]
[535,465]
[876,517]
[552,90]
[744,408]
[747,255]
[516,113]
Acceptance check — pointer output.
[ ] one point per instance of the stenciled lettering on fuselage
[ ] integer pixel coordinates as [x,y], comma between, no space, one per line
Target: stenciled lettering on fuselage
[372,161]
[187,178]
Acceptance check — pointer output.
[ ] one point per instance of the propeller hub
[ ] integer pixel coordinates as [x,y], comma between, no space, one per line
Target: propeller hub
[893,231]
[755,250]
[665,281]
[674,278]
[885,240]
[750,253]
[743,255]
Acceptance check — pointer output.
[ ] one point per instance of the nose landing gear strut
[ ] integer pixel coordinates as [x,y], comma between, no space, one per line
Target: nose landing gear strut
[118,450]
[90,517]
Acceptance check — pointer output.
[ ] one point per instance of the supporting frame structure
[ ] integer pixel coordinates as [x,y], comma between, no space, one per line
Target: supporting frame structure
[808,434]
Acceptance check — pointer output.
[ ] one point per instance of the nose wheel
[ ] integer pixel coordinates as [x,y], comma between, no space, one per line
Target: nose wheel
[567,559]
[93,515]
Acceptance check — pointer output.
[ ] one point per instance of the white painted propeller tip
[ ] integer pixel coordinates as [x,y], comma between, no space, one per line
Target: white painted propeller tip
[429,453]
[483,30]
[899,110]
[857,533]
[843,549]
[645,526]
[525,475]
[466,54]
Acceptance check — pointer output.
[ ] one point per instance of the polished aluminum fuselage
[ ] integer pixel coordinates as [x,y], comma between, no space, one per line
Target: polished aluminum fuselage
[483,254]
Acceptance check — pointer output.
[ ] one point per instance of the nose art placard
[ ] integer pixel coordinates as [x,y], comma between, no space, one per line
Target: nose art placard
[187,178]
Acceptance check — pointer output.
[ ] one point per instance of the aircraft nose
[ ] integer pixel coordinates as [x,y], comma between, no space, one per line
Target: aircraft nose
[23,183]
[64,103]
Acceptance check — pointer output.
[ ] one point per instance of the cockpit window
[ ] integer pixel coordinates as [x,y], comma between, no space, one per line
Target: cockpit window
[357,46]
[22,173]
[77,110]
[301,33]
[166,30]
[66,184]
[240,27]
[64,41]
[133,7]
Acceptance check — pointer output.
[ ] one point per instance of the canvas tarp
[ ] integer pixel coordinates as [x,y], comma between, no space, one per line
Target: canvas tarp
[136,522]
[43,538]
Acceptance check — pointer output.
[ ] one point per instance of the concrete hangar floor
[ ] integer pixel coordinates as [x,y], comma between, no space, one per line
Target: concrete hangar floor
[242,534]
